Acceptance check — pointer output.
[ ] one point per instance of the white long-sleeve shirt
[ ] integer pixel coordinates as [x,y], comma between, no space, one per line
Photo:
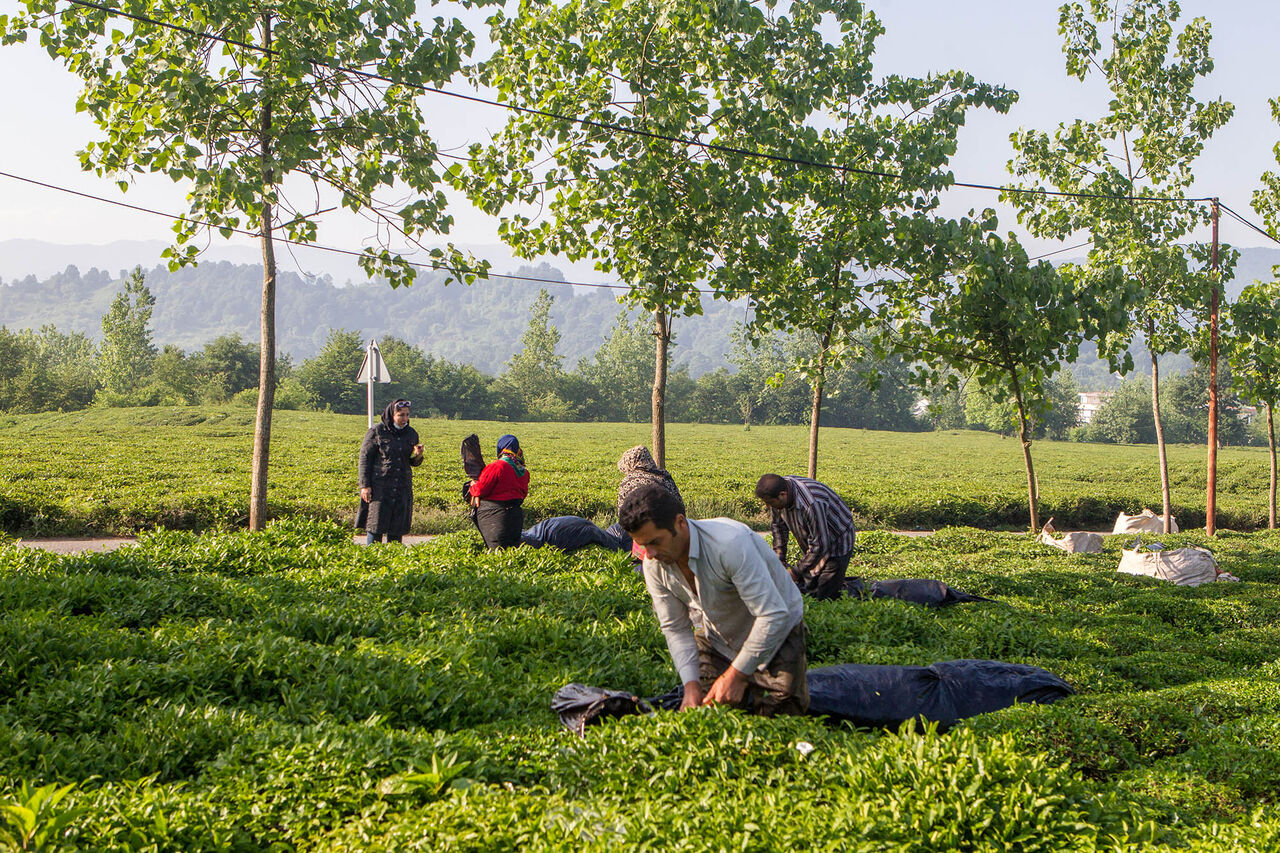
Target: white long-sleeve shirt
[747,599]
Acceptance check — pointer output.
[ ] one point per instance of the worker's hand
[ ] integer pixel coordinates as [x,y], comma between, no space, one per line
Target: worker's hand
[692,695]
[727,689]
[417,450]
[366,494]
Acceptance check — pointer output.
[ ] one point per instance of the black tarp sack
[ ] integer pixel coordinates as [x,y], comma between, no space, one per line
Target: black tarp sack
[930,593]
[472,458]
[877,696]
[570,533]
[472,465]
[580,706]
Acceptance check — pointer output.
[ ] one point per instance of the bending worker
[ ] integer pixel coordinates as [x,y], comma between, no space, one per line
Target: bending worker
[749,650]
[823,527]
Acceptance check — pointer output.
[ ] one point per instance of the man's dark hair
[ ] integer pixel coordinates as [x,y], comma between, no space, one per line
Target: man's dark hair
[770,486]
[650,503]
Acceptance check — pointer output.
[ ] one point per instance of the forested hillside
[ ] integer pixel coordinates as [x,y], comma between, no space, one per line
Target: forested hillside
[478,324]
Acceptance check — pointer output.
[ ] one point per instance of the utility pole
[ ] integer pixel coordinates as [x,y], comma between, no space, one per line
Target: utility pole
[1211,489]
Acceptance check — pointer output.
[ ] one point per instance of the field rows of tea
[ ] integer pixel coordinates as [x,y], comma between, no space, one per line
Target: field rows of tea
[290,690]
[123,470]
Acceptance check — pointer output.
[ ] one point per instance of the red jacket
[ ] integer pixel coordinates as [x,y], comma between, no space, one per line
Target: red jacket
[498,482]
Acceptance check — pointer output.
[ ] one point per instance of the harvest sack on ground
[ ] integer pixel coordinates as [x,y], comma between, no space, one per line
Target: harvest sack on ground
[1077,541]
[1190,566]
[1144,522]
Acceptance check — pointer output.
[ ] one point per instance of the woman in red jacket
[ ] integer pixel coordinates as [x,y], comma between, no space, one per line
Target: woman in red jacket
[498,494]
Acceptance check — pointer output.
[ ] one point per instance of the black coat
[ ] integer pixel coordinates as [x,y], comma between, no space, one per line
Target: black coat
[386,468]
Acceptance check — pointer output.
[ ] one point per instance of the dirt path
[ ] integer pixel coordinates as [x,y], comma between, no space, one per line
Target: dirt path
[79,545]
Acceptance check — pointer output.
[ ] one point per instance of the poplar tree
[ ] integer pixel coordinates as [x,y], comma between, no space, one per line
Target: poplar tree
[267,112]
[849,219]
[1143,147]
[126,353]
[1009,325]
[631,185]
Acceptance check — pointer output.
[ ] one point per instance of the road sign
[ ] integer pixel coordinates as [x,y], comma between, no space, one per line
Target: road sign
[373,370]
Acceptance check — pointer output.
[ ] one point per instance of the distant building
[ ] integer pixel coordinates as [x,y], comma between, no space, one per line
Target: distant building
[1091,401]
[1246,413]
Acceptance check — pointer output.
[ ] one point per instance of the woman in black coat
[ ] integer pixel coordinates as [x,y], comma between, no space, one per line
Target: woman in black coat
[389,453]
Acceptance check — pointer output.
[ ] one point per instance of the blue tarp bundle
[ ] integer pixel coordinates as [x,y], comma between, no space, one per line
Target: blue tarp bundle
[870,695]
[886,696]
[569,533]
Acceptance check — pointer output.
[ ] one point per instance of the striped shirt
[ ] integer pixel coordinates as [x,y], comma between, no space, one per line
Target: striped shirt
[822,524]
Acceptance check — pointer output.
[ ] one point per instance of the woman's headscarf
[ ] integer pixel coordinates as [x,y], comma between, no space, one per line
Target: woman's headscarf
[639,470]
[389,413]
[509,451]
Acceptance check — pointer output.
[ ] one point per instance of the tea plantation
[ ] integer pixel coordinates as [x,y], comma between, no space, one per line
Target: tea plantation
[289,690]
[121,470]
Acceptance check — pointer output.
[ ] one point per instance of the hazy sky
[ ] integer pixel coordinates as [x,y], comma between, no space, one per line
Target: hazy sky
[1012,43]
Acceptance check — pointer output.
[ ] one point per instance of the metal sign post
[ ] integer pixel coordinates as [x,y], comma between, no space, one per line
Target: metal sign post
[374,369]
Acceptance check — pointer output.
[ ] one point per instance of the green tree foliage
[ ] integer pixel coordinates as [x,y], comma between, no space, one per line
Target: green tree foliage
[1126,416]
[173,375]
[760,385]
[45,371]
[271,100]
[993,413]
[126,353]
[1010,326]
[620,374]
[225,366]
[329,379]
[1187,420]
[1143,147]
[804,248]
[534,377]
[640,206]
[1253,348]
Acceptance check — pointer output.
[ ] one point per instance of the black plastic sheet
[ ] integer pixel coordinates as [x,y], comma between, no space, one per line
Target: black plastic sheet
[930,593]
[580,706]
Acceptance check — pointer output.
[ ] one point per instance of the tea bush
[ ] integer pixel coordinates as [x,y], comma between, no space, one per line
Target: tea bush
[288,689]
[189,468]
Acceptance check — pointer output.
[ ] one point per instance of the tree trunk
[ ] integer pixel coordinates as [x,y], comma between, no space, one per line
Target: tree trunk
[1271,494]
[1164,458]
[267,347]
[1024,434]
[662,337]
[815,415]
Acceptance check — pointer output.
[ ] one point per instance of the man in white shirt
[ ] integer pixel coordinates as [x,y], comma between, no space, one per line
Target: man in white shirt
[749,648]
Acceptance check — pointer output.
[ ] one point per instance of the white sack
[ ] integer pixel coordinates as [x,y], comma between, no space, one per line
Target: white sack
[1144,522]
[1076,542]
[1182,566]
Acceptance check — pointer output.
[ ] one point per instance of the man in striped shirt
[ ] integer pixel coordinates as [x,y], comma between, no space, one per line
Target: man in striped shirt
[823,527]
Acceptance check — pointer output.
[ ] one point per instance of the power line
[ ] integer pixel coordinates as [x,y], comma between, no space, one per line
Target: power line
[616,128]
[1243,221]
[318,246]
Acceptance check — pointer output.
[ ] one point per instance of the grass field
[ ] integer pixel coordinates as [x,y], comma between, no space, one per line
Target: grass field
[122,470]
[288,690]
